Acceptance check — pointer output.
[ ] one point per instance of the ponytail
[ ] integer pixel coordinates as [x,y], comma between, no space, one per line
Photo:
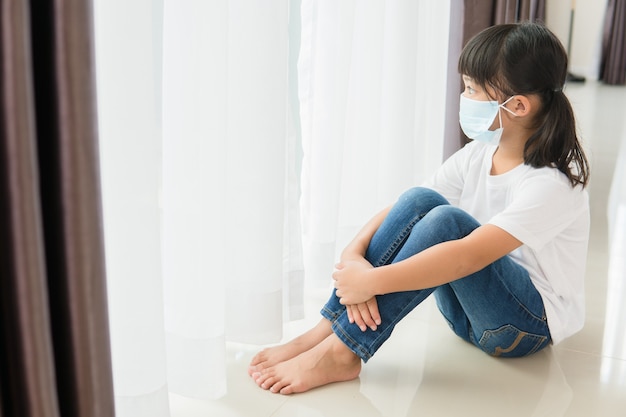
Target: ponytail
[556,143]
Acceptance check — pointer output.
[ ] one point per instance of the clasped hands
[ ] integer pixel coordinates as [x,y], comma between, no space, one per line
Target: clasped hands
[352,282]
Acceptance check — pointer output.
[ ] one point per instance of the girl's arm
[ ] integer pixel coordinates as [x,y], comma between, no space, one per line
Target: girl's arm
[364,314]
[437,265]
[355,250]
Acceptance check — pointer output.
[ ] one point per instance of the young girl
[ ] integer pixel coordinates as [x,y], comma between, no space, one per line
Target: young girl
[498,235]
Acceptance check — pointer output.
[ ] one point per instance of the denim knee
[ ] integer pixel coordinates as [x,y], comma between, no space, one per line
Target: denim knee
[421,199]
[455,221]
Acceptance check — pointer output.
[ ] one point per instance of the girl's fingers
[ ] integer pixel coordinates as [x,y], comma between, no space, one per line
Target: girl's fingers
[372,305]
[366,315]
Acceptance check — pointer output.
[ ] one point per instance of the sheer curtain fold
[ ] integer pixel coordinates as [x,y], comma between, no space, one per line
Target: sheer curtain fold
[55,354]
[373,82]
[194,189]
[128,56]
[224,168]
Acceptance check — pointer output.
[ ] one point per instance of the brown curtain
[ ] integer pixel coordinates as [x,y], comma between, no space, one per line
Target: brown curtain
[55,354]
[613,60]
[480,14]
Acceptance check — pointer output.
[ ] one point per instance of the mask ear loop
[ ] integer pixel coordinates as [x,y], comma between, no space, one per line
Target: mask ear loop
[502,106]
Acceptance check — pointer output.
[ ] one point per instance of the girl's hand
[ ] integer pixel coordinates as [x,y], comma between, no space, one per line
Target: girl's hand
[365,314]
[352,281]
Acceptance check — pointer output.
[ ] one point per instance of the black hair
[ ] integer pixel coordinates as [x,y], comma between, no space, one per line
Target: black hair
[527,58]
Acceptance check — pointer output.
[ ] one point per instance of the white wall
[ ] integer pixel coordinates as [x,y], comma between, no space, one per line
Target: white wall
[586,34]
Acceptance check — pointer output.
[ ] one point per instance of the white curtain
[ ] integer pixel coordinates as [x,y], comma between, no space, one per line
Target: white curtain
[375,77]
[225,199]
[213,144]
[614,341]
[128,55]
[193,129]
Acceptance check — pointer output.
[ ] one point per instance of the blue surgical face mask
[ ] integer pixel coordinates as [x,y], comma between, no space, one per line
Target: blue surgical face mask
[477,116]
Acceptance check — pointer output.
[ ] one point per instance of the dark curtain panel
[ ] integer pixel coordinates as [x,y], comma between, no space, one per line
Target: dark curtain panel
[613,61]
[480,14]
[55,354]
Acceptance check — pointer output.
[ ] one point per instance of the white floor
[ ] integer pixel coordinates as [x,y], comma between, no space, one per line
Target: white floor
[425,370]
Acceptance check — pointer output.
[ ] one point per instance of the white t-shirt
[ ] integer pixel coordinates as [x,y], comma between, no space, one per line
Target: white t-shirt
[540,208]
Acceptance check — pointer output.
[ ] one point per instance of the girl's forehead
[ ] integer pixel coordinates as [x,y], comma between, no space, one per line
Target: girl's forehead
[470,79]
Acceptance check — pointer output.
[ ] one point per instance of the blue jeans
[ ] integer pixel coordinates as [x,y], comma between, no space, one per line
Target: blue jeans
[498,309]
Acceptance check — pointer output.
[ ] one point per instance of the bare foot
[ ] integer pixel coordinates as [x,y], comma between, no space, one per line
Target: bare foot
[329,361]
[274,355]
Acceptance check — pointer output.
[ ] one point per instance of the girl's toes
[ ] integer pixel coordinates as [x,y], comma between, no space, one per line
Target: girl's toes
[268,383]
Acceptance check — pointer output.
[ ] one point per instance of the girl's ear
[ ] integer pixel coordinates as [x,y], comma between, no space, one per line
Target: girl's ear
[521,105]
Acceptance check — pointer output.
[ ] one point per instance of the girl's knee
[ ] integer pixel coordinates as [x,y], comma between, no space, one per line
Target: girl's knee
[451,213]
[423,199]
[455,220]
